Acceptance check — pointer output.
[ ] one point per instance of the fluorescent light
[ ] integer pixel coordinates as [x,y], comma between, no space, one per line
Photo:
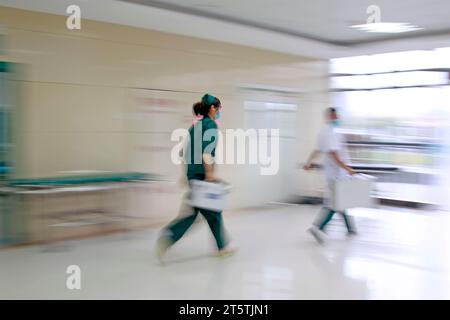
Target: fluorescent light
[386,27]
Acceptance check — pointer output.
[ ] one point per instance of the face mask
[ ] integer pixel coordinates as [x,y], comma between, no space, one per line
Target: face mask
[335,123]
[217,116]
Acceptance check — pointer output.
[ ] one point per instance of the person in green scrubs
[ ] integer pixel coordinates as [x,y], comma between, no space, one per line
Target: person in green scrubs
[199,156]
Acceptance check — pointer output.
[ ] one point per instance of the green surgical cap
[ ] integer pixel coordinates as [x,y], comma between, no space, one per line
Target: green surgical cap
[208,99]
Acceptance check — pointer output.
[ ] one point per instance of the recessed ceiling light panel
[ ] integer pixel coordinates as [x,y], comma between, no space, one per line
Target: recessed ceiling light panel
[386,27]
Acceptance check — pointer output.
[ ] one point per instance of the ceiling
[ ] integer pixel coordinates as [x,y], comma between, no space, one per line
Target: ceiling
[311,28]
[321,20]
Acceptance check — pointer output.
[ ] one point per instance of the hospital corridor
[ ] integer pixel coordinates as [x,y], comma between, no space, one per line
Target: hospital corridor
[199,153]
[398,256]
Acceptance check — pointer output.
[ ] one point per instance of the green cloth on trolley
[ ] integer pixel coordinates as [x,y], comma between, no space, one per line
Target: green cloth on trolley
[82,179]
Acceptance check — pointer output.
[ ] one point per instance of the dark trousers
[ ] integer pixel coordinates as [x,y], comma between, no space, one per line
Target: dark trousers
[177,228]
[327,214]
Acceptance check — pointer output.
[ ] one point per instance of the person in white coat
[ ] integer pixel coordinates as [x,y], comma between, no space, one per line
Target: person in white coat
[331,146]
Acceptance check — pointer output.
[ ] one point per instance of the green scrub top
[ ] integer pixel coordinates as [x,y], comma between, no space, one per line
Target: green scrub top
[203,138]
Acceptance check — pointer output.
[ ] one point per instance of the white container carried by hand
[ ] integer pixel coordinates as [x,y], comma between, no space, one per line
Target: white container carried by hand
[353,192]
[209,195]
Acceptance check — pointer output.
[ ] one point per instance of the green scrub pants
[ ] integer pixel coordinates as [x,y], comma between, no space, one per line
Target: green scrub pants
[326,216]
[327,213]
[178,227]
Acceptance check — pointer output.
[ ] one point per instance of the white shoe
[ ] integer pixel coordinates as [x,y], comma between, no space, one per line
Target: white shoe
[352,233]
[162,245]
[226,252]
[317,234]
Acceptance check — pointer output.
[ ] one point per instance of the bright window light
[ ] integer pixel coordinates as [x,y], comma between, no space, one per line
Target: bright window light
[393,61]
[401,79]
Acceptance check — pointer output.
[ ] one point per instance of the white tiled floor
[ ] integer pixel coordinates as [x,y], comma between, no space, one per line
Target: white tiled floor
[399,254]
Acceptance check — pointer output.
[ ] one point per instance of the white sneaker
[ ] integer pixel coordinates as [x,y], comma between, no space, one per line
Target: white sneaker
[352,233]
[317,234]
[161,248]
[226,252]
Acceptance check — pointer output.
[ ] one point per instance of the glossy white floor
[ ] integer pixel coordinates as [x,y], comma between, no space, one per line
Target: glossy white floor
[399,254]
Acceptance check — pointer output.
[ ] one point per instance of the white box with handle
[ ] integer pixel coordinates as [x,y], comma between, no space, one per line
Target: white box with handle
[209,195]
[353,192]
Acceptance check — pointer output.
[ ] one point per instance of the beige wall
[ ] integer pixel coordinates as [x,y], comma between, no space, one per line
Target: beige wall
[79,90]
